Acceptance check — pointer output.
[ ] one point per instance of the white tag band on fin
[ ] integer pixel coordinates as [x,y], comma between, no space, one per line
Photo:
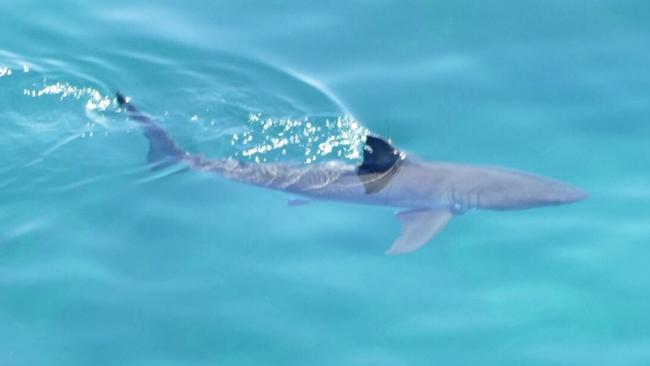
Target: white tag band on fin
[418,227]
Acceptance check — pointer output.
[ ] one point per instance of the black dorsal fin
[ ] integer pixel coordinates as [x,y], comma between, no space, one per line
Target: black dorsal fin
[379,156]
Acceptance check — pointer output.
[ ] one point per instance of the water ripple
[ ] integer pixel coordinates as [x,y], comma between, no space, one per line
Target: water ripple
[214,103]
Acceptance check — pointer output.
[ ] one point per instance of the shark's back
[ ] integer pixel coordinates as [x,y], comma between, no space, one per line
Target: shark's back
[296,178]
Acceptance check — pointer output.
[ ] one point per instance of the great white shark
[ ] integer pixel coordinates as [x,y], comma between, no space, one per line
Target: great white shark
[427,194]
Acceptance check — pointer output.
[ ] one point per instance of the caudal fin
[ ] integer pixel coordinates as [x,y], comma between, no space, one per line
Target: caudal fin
[163,151]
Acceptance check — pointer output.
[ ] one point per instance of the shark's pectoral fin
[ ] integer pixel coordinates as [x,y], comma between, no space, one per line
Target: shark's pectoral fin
[418,227]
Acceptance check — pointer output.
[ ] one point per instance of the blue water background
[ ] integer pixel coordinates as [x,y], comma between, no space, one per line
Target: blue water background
[103,262]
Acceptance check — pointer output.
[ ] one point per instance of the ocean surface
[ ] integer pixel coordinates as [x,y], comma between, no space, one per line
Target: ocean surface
[103,262]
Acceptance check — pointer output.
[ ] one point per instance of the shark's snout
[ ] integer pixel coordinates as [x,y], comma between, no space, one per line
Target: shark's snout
[512,191]
[568,194]
[551,193]
[577,194]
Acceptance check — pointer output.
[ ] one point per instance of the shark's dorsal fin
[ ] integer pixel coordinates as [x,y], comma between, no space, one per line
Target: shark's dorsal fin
[418,227]
[380,163]
[378,156]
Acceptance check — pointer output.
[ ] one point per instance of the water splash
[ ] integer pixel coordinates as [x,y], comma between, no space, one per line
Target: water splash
[96,101]
[313,138]
[5,71]
[265,139]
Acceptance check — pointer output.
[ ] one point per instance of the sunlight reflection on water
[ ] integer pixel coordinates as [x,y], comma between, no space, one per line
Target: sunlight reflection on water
[269,139]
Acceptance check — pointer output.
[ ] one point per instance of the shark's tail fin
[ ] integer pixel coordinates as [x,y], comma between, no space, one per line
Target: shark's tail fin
[163,151]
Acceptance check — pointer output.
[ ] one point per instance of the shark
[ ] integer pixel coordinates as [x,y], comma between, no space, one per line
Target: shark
[426,195]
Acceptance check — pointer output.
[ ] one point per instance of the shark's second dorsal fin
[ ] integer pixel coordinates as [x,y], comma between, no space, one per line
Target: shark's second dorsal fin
[379,156]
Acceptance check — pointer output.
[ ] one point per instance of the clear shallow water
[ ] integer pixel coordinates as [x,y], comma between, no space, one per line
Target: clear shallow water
[103,262]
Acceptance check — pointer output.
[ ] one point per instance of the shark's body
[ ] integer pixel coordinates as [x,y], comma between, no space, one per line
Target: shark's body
[428,194]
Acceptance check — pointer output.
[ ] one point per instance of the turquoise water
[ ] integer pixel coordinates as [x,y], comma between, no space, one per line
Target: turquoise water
[103,262]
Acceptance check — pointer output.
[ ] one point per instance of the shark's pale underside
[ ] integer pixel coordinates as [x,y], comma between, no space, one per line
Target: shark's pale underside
[427,194]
